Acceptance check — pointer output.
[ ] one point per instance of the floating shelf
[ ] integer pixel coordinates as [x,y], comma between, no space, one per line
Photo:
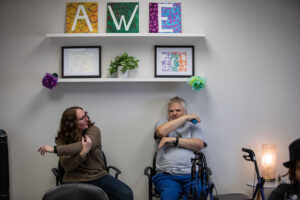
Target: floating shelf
[118,80]
[125,35]
[76,36]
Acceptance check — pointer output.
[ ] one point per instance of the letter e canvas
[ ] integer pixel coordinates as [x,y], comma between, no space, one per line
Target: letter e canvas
[82,17]
[164,18]
[122,18]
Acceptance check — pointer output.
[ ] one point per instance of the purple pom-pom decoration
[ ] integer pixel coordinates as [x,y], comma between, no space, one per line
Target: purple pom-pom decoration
[50,80]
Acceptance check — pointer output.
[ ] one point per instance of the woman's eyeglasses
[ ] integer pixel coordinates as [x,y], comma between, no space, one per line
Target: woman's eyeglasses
[83,117]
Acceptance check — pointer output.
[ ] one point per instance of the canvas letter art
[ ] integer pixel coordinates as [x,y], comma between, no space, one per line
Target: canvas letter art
[122,17]
[82,17]
[164,17]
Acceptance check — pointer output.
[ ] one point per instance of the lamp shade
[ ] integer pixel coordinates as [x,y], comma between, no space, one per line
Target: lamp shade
[268,162]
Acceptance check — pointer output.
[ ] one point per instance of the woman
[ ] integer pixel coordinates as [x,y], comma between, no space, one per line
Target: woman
[290,191]
[79,150]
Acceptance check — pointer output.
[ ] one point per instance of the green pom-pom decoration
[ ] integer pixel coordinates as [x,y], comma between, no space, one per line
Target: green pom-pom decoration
[197,82]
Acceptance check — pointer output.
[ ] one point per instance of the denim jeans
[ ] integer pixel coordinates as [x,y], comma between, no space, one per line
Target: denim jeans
[114,188]
[170,187]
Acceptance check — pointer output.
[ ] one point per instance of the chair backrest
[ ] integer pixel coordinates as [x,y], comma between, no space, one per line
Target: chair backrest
[104,159]
[154,164]
[75,191]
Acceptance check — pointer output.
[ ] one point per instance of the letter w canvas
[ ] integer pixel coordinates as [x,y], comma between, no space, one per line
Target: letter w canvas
[122,18]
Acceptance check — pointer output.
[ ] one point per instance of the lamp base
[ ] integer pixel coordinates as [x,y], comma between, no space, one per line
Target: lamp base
[270,179]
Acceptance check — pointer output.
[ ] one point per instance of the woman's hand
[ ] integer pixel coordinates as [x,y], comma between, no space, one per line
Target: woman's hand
[46,148]
[86,146]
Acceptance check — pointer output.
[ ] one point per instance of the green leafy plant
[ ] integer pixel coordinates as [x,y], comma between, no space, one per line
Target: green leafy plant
[124,61]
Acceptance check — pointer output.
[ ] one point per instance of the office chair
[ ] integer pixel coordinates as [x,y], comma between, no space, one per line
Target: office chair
[60,171]
[75,191]
[151,171]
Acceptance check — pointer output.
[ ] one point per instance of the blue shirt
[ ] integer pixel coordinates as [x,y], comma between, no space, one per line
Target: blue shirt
[173,159]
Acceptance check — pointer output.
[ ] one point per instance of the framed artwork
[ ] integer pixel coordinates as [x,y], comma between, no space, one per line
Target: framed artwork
[81,62]
[164,17]
[174,61]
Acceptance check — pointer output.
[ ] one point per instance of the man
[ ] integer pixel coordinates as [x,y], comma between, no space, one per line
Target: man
[177,140]
[290,191]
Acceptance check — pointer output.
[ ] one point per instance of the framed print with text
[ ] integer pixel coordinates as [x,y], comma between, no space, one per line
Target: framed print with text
[174,61]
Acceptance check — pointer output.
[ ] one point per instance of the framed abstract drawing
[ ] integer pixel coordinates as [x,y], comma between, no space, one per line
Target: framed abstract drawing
[81,62]
[174,61]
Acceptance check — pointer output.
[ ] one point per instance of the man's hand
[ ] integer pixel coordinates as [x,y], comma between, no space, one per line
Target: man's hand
[164,129]
[46,148]
[190,117]
[86,146]
[194,144]
[166,140]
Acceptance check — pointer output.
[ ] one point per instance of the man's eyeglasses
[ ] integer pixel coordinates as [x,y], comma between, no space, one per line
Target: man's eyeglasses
[83,117]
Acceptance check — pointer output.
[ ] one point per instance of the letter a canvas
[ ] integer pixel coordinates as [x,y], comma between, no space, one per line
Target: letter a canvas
[122,18]
[82,17]
[164,17]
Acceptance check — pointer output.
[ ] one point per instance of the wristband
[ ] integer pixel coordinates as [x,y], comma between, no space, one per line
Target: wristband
[176,142]
[55,149]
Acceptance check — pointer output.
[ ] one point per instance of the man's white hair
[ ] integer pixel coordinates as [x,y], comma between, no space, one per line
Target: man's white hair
[178,100]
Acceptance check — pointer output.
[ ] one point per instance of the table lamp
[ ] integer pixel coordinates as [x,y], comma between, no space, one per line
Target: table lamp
[268,162]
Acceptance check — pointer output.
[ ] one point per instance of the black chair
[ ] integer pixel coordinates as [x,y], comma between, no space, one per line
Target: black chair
[151,171]
[75,191]
[60,171]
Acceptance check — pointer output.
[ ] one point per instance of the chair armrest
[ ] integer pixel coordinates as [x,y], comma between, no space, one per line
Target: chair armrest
[117,171]
[148,172]
[55,172]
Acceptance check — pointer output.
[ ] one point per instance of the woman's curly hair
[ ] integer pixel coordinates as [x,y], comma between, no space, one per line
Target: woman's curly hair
[67,130]
[292,172]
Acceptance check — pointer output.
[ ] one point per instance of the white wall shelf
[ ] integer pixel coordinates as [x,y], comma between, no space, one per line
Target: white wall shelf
[119,80]
[125,35]
[164,36]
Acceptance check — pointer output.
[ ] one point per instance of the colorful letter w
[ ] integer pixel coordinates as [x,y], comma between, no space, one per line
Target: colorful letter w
[126,13]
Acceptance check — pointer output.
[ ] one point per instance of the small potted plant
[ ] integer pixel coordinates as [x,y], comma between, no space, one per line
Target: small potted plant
[122,64]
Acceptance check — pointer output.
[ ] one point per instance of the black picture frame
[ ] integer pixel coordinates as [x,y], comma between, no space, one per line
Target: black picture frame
[81,61]
[166,67]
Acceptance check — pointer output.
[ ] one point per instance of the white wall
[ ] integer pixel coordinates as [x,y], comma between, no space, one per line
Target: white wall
[250,56]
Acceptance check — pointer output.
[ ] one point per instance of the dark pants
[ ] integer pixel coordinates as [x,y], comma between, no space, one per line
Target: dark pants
[114,188]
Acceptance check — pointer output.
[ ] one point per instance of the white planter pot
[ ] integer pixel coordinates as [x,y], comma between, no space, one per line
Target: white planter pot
[121,74]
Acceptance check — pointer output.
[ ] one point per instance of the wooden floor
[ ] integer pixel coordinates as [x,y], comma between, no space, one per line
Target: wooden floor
[233,196]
